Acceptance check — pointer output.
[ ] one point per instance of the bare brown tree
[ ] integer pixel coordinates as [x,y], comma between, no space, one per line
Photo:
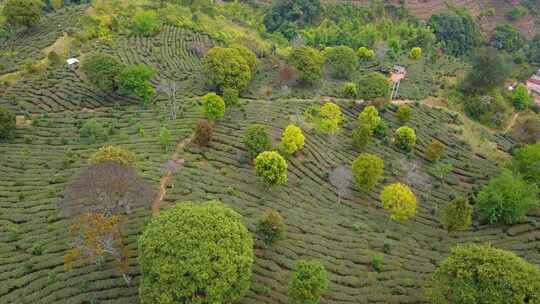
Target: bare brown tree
[108,188]
[341,178]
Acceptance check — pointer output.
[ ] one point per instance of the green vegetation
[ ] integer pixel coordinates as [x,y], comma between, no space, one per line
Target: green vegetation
[367,170]
[526,162]
[135,79]
[285,16]
[271,168]
[457,215]
[292,140]
[435,151]
[456,31]
[341,61]
[521,98]
[373,85]
[146,23]
[102,70]
[196,251]
[112,153]
[7,123]
[399,200]
[404,114]
[256,140]
[506,199]
[226,68]
[415,53]
[481,273]
[507,38]
[203,133]
[329,118]
[308,62]
[23,12]
[271,227]
[308,282]
[213,106]
[405,138]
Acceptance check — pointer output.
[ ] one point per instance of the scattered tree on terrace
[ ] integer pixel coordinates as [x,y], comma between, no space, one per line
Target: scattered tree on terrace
[399,200]
[203,132]
[271,227]
[415,53]
[340,178]
[308,282]
[341,61]
[457,215]
[329,118]
[213,106]
[226,68]
[195,253]
[135,79]
[404,114]
[271,167]
[484,274]
[405,138]
[7,123]
[256,140]
[308,62]
[292,140]
[373,85]
[102,70]
[435,151]
[114,154]
[367,170]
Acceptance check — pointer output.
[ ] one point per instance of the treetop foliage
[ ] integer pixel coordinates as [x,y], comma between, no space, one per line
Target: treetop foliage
[23,12]
[456,31]
[399,200]
[367,170]
[226,68]
[271,167]
[484,274]
[286,15]
[256,140]
[292,140]
[308,62]
[196,253]
[308,283]
[102,70]
[213,106]
[7,122]
[112,153]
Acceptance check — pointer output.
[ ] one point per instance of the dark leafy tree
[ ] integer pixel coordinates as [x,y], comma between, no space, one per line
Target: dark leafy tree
[135,79]
[484,274]
[286,15]
[256,140]
[456,31]
[102,70]
[506,199]
[489,70]
[508,38]
[308,62]
[195,253]
[527,162]
[457,215]
[7,122]
[23,12]
[271,227]
[341,61]
[373,85]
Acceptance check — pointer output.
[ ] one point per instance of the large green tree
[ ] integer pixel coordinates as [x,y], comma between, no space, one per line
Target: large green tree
[308,62]
[23,12]
[506,199]
[341,61]
[135,79]
[456,31]
[527,162]
[489,70]
[483,274]
[195,253]
[308,283]
[373,85]
[286,15]
[102,70]
[226,68]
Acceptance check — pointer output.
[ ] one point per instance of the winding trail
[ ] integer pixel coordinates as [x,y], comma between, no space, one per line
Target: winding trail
[175,163]
[512,122]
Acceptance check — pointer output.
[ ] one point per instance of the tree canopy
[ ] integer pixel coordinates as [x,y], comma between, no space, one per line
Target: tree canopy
[308,283]
[399,200]
[484,274]
[102,70]
[286,15]
[271,167]
[7,122]
[23,12]
[226,68]
[456,31]
[308,62]
[196,253]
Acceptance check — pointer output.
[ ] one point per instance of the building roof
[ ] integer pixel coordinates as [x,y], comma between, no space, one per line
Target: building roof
[71,61]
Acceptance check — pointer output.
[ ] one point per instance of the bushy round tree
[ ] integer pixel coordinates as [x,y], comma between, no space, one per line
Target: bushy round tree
[226,68]
[404,114]
[23,12]
[146,22]
[271,227]
[341,61]
[308,62]
[7,122]
[271,167]
[399,200]
[308,283]
[330,118]
[102,70]
[248,56]
[369,117]
[506,199]
[457,215]
[521,98]
[484,274]
[527,162]
[213,106]
[373,85]
[415,53]
[361,136]
[196,253]
[405,138]
[435,150]
[135,79]
[112,153]
[350,90]
[367,170]
[365,54]
[292,140]
[230,97]
[256,140]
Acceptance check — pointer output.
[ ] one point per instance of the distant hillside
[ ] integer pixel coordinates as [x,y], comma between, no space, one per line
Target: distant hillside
[423,9]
